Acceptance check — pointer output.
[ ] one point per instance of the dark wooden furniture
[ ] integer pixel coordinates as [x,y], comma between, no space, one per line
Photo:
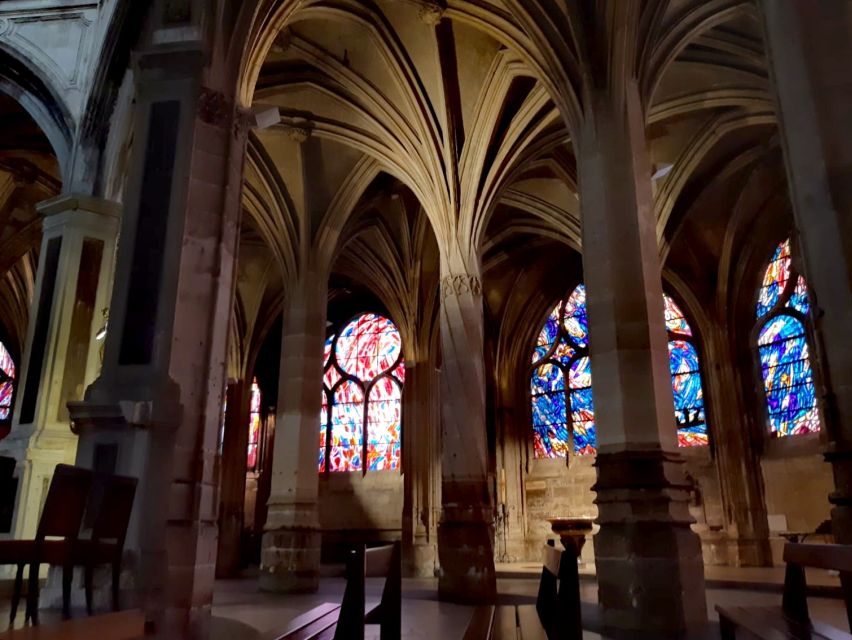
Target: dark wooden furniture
[346,621]
[61,516]
[555,615]
[112,503]
[791,619]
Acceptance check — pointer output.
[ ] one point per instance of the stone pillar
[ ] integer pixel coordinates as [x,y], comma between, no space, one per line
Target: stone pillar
[737,461]
[62,353]
[290,551]
[649,564]
[156,410]
[421,464]
[807,43]
[232,480]
[465,531]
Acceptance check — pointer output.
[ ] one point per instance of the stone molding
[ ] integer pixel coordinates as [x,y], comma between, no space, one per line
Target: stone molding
[459,284]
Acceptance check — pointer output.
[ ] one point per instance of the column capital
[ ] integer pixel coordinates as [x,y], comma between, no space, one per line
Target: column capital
[457,284]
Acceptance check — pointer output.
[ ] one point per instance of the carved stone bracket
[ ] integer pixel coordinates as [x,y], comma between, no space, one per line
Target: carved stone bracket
[298,129]
[214,108]
[460,283]
[430,12]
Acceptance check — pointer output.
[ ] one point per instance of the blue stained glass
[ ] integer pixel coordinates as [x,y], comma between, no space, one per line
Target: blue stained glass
[563,352]
[585,438]
[546,378]
[575,319]
[547,336]
[780,328]
[799,298]
[775,279]
[580,373]
[582,405]
[550,430]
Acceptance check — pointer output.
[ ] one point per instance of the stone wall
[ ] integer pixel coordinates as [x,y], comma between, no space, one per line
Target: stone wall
[359,508]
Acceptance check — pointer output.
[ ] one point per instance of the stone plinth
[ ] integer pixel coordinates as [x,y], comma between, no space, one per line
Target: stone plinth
[290,552]
[648,560]
[466,556]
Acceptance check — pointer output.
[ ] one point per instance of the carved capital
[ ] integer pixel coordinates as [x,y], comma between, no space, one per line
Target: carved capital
[430,12]
[214,108]
[283,40]
[460,284]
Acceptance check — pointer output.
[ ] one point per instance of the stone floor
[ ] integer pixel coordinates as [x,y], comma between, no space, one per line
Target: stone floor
[242,613]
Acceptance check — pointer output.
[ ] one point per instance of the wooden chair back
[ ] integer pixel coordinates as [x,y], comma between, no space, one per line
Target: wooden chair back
[556,601]
[65,503]
[362,563]
[114,508]
[837,557]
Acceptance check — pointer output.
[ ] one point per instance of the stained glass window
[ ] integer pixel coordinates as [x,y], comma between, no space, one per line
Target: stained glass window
[363,376]
[7,383]
[783,350]
[254,428]
[686,378]
[563,415]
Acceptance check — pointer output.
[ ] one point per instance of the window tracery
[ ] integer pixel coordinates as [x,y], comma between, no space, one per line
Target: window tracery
[363,377]
[783,348]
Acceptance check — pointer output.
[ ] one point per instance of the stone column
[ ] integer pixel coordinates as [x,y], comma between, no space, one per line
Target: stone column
[232,480]
[421,464]
[649,565]
[290,551]
[808,43]
[156,410]
[465,531]
[62,349]
[737,461]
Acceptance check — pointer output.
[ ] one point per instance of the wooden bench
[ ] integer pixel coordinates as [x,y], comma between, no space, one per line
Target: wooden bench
[791,619]
[555,615]
[346,621]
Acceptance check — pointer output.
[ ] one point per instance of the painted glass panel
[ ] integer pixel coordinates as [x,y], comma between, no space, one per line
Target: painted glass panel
[688,394]
[775,279]
[583,422]
[6,389]
[329,343]
[7,366]
[547,336]
[675,320]
[575,320]
[254,428]
[399,372]
[347,423]
[368,346]
[546,379]
[323,430]
[384,411]
[787,377]
[799,298]
[550,429]
[4,413]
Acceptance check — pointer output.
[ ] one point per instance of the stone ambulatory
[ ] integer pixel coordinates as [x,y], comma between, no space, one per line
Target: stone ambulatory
[442,273]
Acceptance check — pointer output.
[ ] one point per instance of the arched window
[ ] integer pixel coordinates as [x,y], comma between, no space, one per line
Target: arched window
[7,383]
[686,378]
[254,428]
[782,344]
[562,353]
[362,397]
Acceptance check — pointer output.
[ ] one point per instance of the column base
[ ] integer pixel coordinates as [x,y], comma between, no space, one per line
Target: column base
[466,557]
[419,560]
[290,550]
[649,564]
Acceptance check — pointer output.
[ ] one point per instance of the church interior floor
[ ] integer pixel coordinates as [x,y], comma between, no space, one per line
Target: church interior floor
[241,612]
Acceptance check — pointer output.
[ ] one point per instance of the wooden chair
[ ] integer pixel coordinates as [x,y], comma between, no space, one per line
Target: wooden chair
[555,615]
[61,516]
[792,619]
[112,503]
[346,621]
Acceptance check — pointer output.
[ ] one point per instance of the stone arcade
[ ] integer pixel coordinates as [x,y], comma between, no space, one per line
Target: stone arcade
[319,272]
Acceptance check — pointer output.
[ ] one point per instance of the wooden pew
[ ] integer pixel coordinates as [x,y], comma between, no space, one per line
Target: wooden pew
[555,615]
[791,619]
[346,621]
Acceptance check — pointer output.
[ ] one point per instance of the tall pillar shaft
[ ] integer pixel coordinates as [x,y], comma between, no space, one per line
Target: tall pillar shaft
[806,42]
[649,565]
[156,409]
[290,551]
[62,350]
[465,531]
[232,483]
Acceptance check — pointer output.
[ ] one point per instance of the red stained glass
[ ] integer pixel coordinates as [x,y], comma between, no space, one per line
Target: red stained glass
[4,413]
[6,389]
[7,382]
[323,430]
[7,366]
[254,428]
[384,411]
[347,423]
[368,346]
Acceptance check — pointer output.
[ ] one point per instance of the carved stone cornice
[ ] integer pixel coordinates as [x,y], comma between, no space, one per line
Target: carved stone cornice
[459,284]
